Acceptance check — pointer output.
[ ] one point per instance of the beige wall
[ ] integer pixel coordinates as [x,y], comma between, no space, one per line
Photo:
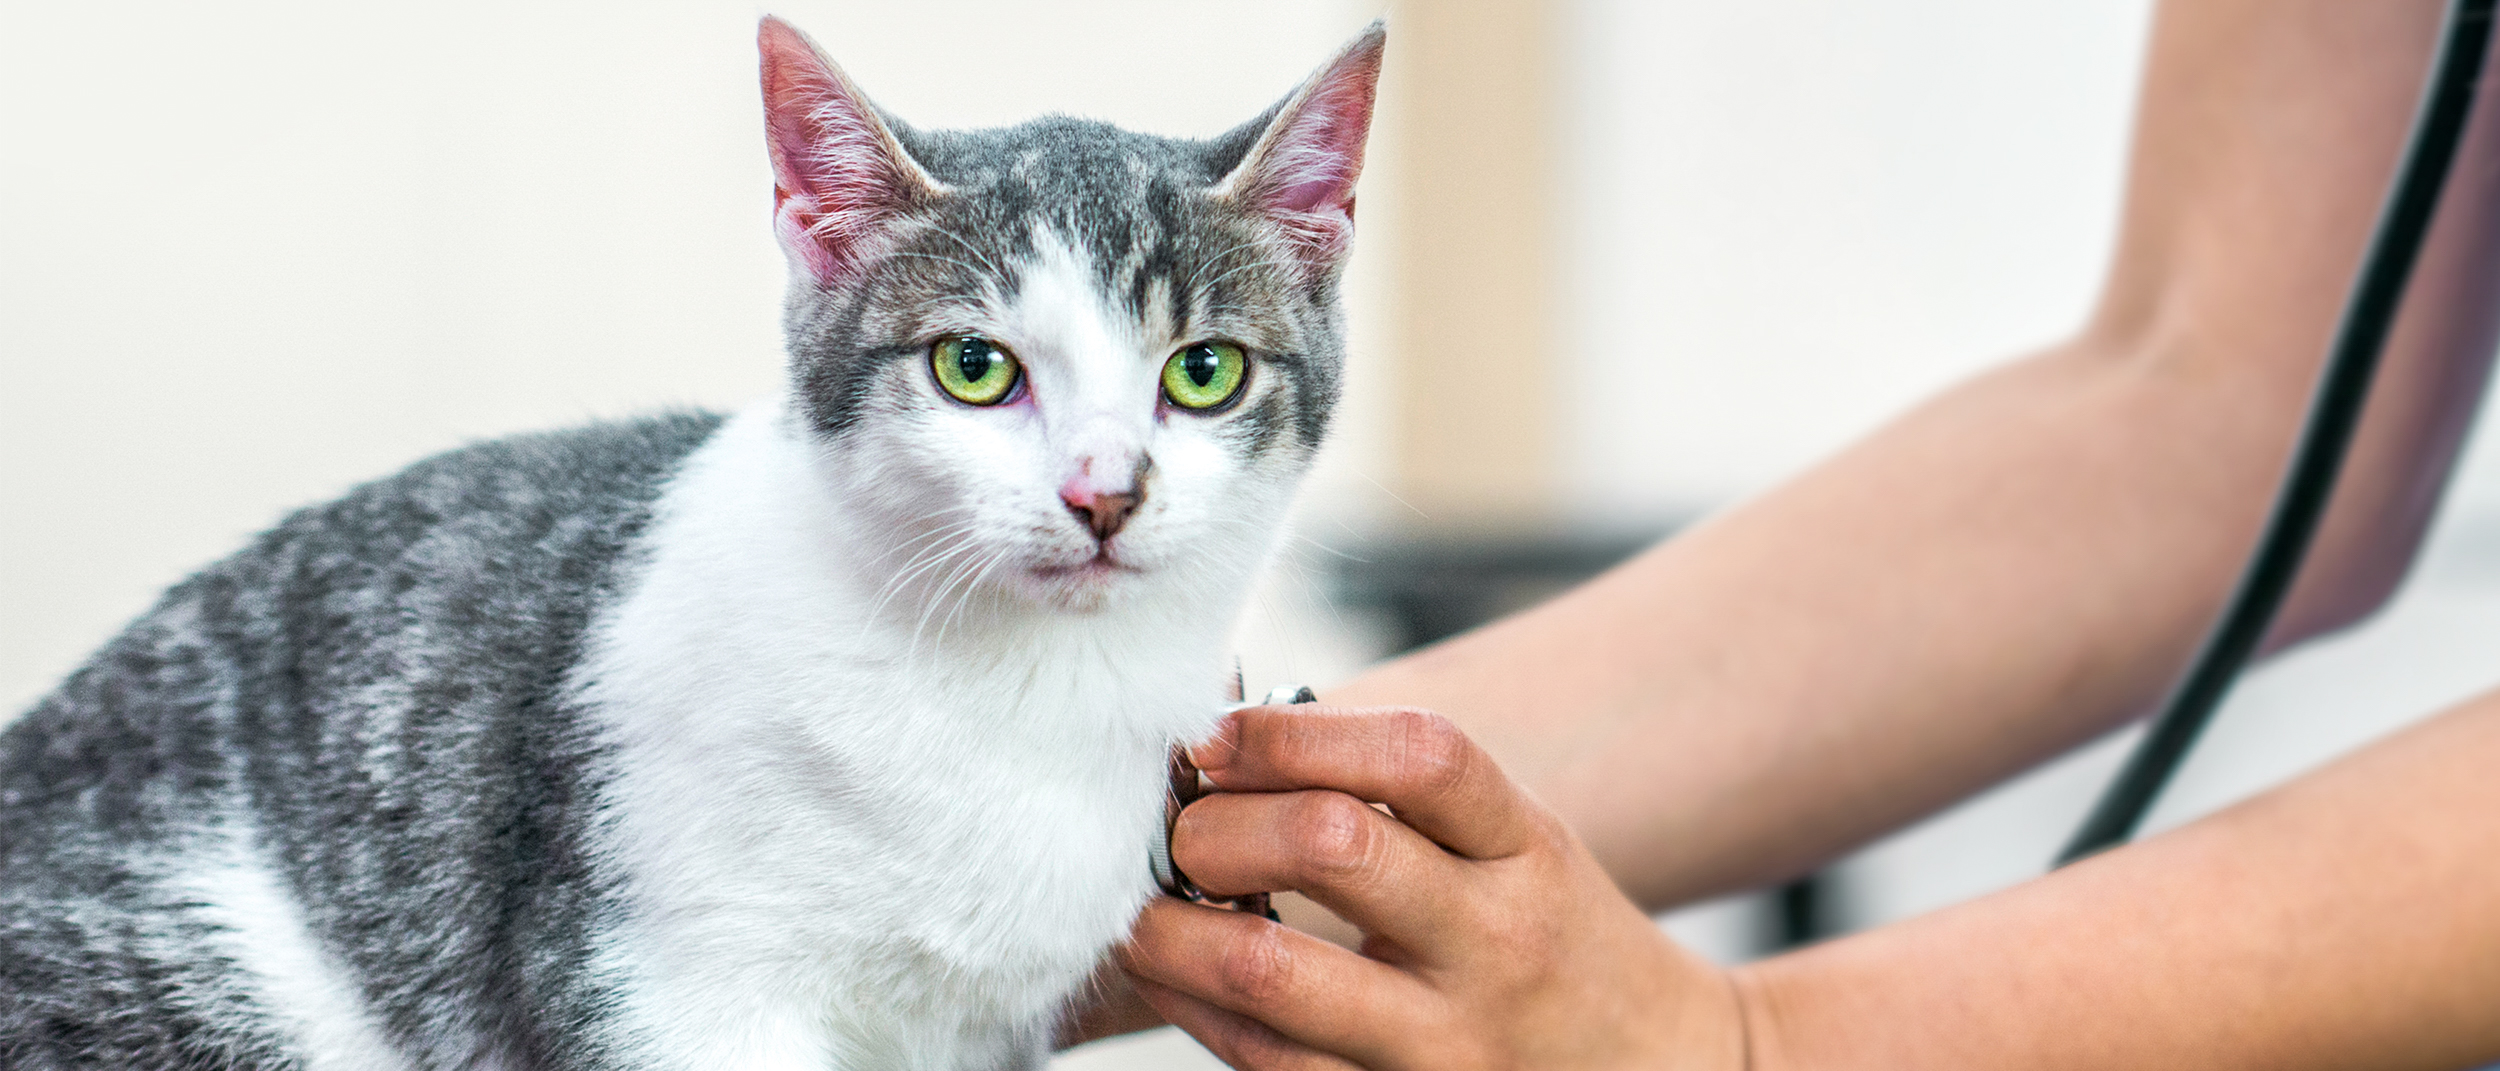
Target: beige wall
[1480,156]
[1786,220]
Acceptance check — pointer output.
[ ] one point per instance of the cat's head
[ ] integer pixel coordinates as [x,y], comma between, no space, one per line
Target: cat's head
[1061,361]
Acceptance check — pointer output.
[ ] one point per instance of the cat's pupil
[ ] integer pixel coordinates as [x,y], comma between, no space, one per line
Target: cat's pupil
[975,359]
[1200,365]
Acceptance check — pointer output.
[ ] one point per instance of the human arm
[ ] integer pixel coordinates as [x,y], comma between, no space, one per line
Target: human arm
[2025,561]
[2347,919]
[2344,920]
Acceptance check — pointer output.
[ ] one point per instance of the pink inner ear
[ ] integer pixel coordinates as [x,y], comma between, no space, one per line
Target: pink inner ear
[1305,176]
[1317,160]
[836,180]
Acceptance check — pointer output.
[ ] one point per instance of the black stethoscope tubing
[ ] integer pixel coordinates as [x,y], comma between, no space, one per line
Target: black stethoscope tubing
[2334,415]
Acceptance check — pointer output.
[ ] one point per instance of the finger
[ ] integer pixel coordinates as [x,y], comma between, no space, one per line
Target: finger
[1415,761]
[1306,989]
[1238,1040]
[1110,1005]
[1367,867]
[1304,914]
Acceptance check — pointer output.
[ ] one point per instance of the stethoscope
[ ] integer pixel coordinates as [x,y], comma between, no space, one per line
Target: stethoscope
[2334,415]
[1187,786]
[2300,503]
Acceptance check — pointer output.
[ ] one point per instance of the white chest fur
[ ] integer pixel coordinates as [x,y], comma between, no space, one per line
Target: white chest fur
[838,840]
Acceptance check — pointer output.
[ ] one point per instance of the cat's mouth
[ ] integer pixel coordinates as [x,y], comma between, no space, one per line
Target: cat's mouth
[1102,566]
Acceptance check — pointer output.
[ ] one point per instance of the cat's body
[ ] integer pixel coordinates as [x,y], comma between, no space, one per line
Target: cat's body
[830,735]
[226,841]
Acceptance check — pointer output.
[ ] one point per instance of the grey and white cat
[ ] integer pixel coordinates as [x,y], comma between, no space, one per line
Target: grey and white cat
[826,735]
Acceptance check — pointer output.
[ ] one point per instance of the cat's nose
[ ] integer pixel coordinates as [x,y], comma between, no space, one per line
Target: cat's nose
[1101,513]
[1106,491]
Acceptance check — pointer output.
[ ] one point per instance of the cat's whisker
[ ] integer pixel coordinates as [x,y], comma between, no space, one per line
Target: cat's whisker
[926,561]
[943,531]
[968,247]
[928,542]
[1355,558]
[969,574]
[1287,561]
[1394,497]
[1291,536]
[936,257]
[1239,268]
[1284,636]
[935,560]
[1314,590]
[896,586]
[943,588]
[997,558]
[1191,285]
[1216,308]
[935,542]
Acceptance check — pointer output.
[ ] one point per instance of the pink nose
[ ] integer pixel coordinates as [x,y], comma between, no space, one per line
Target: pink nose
[1102,513]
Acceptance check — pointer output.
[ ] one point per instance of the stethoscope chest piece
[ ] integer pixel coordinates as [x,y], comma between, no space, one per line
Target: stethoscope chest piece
[1187,787]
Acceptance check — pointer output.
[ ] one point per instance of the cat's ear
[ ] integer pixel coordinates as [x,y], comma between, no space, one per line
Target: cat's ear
[1300,172]
[840,178]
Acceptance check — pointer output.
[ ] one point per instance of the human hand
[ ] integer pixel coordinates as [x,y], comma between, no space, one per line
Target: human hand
[1108,1006]
[1492,938]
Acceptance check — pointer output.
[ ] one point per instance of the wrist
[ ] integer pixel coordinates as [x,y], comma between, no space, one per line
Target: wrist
[1712,1028]
[1749,999]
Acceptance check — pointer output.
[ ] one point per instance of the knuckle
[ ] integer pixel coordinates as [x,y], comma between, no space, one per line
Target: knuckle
[1257,969]
[1256,1048]
[1238,1041]
[1546,844]
[1260,731]
[1436,758]
[1552,833]
[1190,830]
[1338,836]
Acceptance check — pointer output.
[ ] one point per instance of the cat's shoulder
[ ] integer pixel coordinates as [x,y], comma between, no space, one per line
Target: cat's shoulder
[535,490]
[495,540]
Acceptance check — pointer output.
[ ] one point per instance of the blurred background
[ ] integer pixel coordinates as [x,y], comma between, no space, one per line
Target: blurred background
[1623,262]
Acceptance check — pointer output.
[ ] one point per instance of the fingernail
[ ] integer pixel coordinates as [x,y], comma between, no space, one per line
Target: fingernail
[1217,751]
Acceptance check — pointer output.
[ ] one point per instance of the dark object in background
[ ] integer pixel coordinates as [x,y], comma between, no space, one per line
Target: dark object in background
[1437,587]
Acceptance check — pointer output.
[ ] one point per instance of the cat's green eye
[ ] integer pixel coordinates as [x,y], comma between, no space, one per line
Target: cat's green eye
[1204,375]
[974,369]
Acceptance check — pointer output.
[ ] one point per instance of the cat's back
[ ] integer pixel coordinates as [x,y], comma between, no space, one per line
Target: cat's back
[348,741]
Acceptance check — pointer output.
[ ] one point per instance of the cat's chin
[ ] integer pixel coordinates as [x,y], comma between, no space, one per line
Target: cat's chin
[1086,586]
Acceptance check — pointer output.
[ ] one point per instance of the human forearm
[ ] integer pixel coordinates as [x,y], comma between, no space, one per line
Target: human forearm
[2024,561]
[2347,920]
[1987,582]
